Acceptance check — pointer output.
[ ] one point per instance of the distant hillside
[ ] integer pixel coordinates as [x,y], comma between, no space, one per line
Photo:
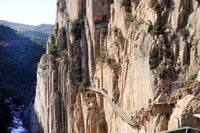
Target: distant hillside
[37,36]
[45,28]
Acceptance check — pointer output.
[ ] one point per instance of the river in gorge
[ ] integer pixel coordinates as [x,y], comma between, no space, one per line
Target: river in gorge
[16,125]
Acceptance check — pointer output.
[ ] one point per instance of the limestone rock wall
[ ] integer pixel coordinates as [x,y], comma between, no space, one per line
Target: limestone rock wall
[96,42]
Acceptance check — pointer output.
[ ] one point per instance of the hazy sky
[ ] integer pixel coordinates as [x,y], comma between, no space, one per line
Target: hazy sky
[33,12]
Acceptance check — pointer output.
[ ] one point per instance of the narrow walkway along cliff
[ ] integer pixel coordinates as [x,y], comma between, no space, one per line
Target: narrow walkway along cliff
[143,53]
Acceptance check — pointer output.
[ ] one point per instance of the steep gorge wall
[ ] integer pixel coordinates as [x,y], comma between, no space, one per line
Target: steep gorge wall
[127,71]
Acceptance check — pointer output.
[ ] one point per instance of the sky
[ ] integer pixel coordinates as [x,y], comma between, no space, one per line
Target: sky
[32,12]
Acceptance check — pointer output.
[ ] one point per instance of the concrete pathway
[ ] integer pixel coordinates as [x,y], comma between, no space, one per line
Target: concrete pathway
[116,108]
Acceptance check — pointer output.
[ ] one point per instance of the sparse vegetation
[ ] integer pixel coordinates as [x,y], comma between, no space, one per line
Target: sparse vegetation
[77,68]
[135,1]
[61,9]
[53,61]
[101,113]
[129,17]
[169,61]
[127,5]
[63,53]
[82,86]
[115,29]
[117,90]
[76,28]
[155,5]
[110,60]
[161,70]
[194,76]
[116,67]
[103,55]
[184,32]
[89,94]
[127,59]
[101,122]
[157,29]
[140,22]
[53,49]
[122,40]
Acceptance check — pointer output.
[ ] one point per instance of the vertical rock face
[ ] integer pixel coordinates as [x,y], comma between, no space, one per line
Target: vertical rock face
[135,51]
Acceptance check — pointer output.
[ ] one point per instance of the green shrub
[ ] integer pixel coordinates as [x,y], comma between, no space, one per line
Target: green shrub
[63,53]
[82,22]
[55,31]
[88,94]
[101,113]
[161,70]
[116,67]
[135,1]
[157,29]
[184,32]
[104,49]
[81,89]
[82,85]
[101,124]
[194,76]
[122,39]
[109,60]
[129,17]
[77,69]
[53,61]
[53,49]
[169,61]
[127,5]
[76,28]
[103,56]
[61,9]
[155,6]
[117,90]
[67,14]
[127,59]
[93,99]
[115,29]
[58,3]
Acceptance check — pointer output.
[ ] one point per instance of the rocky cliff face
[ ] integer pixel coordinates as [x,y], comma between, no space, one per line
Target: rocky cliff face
[136,50]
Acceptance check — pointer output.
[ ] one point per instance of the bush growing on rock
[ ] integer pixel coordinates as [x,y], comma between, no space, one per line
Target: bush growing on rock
[157,29]
[129,17]
[76,28]
[184,32]
[82,85]
[103,56]
[53,61]
[122,39]
[194,76]
[161,70]
[77,68]
[61,9]
[101,122]
[127,5]
[53,49]
[135,1]
[155,5]
[63,53]
[101,113]
[109,60]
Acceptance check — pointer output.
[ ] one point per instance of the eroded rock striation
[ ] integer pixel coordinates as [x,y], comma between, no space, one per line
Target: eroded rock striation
[143,54]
